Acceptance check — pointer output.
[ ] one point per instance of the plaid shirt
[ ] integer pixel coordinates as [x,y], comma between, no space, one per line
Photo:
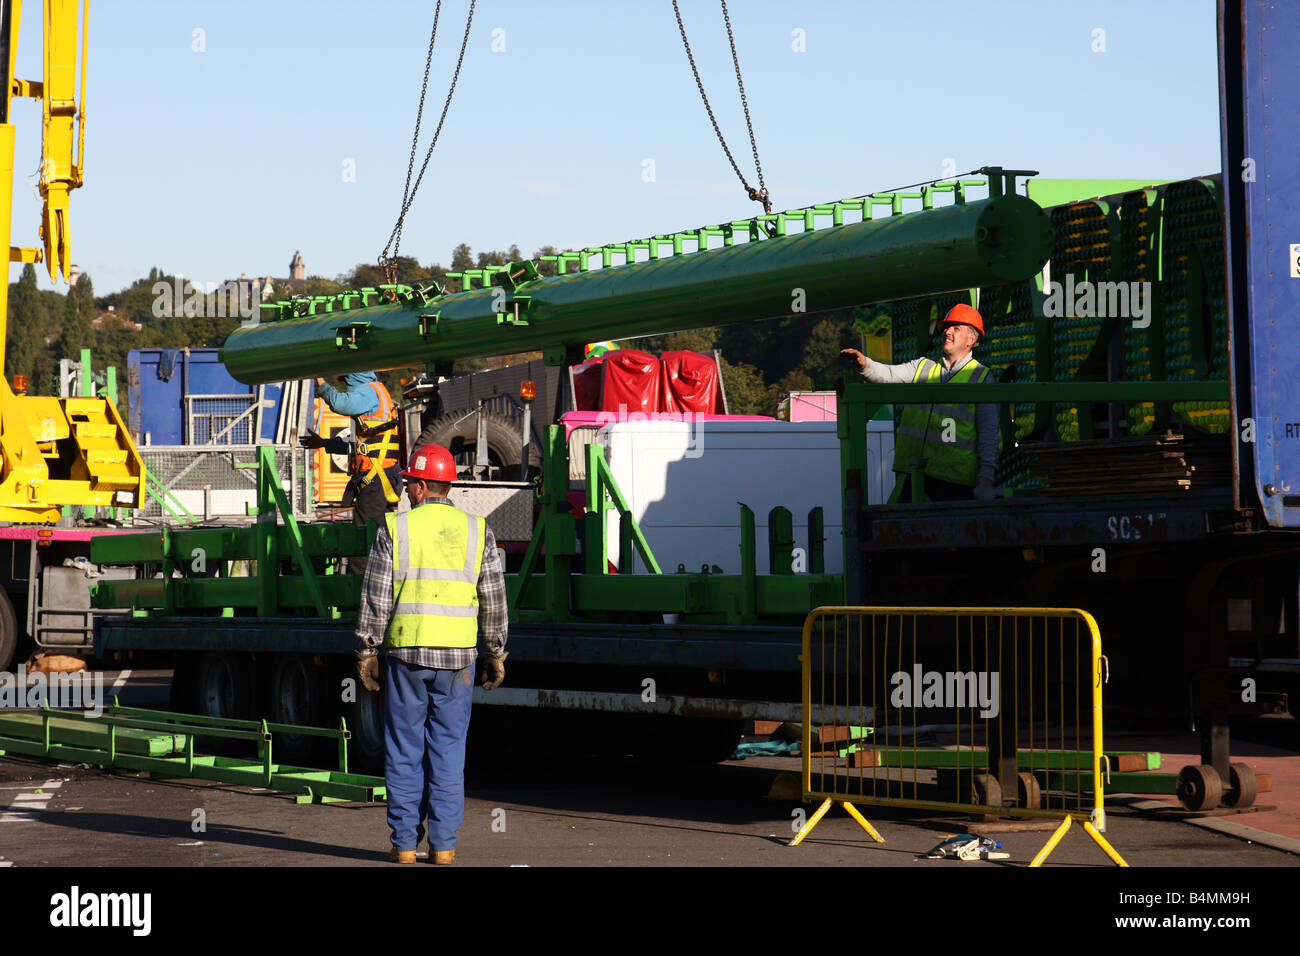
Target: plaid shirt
[377,607]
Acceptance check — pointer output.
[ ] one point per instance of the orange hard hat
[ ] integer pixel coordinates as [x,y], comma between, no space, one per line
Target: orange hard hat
[431,463]
[963,314]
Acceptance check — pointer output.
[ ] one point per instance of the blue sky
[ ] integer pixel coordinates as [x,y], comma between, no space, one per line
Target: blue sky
[226,161]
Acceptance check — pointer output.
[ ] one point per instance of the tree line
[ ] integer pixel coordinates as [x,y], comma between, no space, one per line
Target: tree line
[761,361]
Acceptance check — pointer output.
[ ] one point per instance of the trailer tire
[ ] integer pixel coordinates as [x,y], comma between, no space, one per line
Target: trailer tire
[295,698]
[224,685]
[8,632]
[458,433]
[365,718]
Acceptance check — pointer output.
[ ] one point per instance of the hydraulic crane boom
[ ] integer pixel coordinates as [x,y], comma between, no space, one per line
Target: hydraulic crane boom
[55,452]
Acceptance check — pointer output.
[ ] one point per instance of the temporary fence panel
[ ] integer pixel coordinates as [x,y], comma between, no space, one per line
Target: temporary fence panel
[984,710]
[217,482]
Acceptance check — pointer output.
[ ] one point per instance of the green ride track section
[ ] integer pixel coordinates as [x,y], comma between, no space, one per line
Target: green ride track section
[163,743]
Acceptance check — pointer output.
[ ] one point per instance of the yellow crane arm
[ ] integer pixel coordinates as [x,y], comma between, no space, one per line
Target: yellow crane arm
[54,451]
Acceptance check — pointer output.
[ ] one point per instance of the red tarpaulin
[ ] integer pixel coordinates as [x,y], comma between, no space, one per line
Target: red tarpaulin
[631,382]
[690,383]
[586,384]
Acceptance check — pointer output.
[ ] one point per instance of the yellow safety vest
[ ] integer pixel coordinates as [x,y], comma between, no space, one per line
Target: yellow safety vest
[437,557]
[920,433]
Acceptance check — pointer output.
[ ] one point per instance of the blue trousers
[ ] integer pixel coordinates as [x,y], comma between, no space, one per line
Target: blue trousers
[426,718]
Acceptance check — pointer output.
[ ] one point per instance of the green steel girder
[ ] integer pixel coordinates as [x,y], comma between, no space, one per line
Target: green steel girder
[162,743]
[1067,761]
[965,245]
[1027,392]
[291,593]
[721,597]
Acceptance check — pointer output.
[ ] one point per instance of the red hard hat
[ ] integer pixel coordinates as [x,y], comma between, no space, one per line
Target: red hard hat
[963,314]
[431,463]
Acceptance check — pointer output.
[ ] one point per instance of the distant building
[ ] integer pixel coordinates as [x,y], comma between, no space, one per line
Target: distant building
[265,288]
[111,319]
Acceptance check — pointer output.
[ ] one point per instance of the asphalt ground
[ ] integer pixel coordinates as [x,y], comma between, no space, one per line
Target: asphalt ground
[543,805]
[601,820]
[557,811]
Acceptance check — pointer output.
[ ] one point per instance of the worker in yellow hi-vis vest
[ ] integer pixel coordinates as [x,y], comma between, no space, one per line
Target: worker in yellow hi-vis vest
[434,600]
[954,446]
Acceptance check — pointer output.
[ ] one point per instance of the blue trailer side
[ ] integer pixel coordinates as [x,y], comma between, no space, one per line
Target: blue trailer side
[1260,136]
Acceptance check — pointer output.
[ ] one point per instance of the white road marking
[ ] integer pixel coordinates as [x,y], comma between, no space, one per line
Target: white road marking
[47,785]
[26,807]
[119,683]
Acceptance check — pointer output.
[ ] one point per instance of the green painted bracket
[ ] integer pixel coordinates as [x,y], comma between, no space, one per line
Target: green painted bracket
[349,336]
[268,477]
[601,486]
[555,487]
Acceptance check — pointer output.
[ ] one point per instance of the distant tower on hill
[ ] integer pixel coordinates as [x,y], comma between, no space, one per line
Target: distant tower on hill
[296,269]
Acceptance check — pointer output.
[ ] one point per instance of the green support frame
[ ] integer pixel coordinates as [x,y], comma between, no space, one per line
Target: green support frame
[162,743]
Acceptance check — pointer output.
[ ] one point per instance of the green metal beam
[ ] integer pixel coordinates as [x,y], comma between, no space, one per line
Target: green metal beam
[1025,392]
[131,738]
[961,246]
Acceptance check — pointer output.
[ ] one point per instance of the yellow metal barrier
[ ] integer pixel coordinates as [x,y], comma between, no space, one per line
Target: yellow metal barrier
[968,709]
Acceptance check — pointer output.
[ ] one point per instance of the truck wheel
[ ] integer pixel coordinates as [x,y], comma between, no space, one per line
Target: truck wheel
[295,699]
[8,632]
[458,433]
[224,686]
[366,722]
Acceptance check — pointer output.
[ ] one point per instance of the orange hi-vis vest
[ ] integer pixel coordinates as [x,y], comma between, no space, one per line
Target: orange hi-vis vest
[372,444]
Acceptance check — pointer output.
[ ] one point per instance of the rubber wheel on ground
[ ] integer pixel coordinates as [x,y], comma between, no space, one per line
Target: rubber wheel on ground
[1242,787]
[295,698]
[224,684]
[458,433]
[365,717]
[223,687]
[986,791]
[1199,787]
[1028,792]
[8,632]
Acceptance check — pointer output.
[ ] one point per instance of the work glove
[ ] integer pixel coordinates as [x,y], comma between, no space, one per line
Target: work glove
[494,672]
[368,670]
[311,440]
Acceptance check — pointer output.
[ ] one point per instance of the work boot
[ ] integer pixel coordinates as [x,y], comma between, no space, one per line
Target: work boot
[401,856]
[443,857]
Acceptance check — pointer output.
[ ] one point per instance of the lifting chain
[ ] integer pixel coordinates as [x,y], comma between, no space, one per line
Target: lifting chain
[760,194]
[389,263]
